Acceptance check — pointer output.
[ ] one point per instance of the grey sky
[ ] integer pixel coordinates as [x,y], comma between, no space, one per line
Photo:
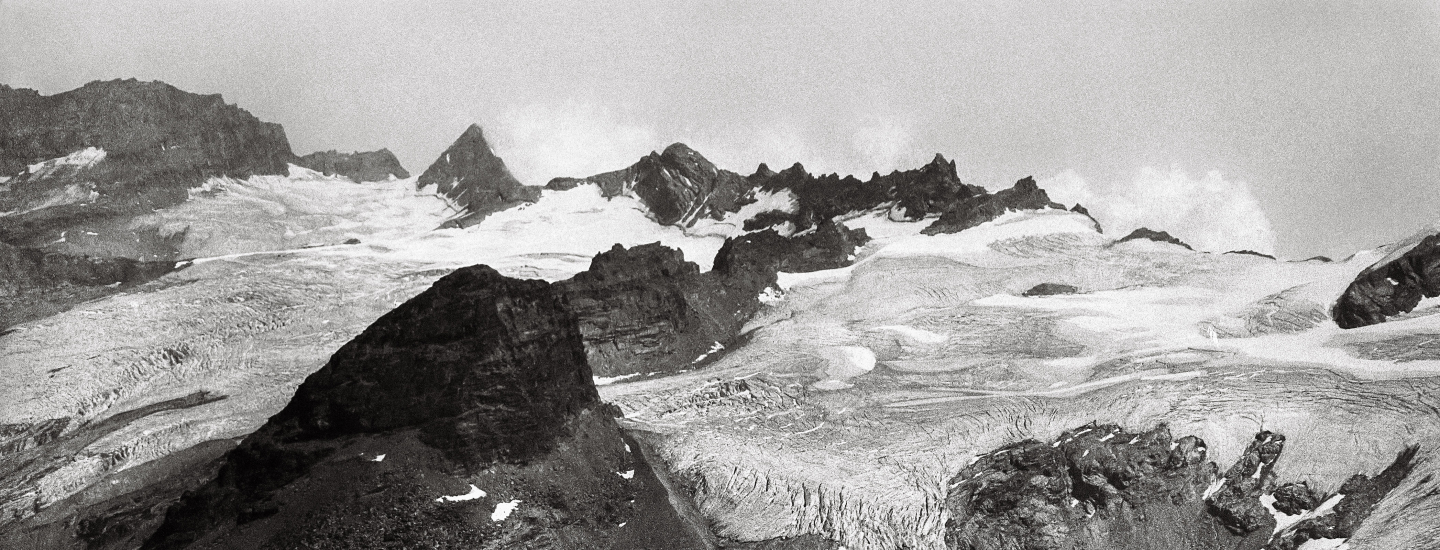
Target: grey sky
[1330,112]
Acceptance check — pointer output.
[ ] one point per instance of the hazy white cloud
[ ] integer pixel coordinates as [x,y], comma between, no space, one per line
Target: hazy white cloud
[543,141]
[1210,213]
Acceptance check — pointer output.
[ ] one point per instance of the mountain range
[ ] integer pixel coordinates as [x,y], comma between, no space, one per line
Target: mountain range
[209,341]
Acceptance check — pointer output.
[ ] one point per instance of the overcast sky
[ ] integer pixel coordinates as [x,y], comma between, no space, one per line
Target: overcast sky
[1299,127]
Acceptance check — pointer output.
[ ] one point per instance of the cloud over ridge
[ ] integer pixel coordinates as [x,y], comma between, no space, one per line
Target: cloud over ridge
[1209,212]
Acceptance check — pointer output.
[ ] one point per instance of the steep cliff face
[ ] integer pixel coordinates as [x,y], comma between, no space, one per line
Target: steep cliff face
[679,185]
[1024,195]
[140,144]
[358,166]
[1101,486]
[466,416]
[1391,287]
[471,175]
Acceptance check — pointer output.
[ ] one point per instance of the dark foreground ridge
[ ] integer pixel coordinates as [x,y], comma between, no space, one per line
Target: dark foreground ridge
[358,166]
[1102,487]
[480,381]
[1392,288]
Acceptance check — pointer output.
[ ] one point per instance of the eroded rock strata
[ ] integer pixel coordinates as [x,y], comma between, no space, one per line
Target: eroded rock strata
[476,389]
[358,166]
[1102,486]
[1391,288]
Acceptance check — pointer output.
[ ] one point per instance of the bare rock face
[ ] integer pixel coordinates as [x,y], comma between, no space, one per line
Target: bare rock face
[480,381]
[1050,289]
[679,185]
[471,175]
[358,166]
[1389,289]
[157,142]
[1101,486]
[1024,195]
[1157,236]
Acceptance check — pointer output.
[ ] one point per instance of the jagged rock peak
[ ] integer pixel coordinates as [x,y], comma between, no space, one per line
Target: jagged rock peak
[358,166]
[678,185]
[472,175]
[1157,236]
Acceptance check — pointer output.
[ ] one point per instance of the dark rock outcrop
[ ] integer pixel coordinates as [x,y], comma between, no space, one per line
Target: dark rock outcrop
[472,176]
[358,166]
[1157,236]
[1251,253]
[158,142]
[915,194]
[1050,289]
[678,185]
[831,245]
[646,310]
[1389,289]
[1101,486]
[480,381]
[1024,195]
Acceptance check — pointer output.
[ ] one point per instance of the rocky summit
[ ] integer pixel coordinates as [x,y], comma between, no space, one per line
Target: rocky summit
[678,185]
[470,174]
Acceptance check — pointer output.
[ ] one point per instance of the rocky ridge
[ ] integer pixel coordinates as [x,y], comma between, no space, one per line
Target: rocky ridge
[679,185]
[148,141]
[358,166]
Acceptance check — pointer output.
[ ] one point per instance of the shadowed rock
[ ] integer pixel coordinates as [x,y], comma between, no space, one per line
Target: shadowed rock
[913,194]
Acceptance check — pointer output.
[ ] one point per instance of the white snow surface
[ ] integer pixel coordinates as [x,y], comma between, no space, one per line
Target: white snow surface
[474,493]
[503,510]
